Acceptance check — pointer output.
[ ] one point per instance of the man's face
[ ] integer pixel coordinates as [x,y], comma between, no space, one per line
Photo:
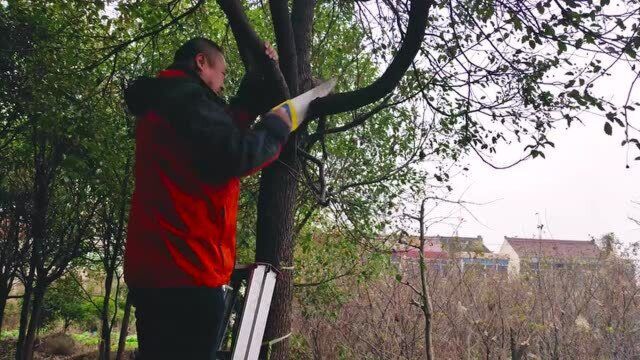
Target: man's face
[212,69]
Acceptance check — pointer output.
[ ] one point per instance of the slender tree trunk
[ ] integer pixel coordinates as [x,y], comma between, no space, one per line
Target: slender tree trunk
[5,288]
[38,232]
[276,207]
[24,316]
[426,293]
[124,329]
[517,351]
[105,331]
[34,322]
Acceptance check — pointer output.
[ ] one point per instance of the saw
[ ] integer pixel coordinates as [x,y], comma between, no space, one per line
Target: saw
[298,106]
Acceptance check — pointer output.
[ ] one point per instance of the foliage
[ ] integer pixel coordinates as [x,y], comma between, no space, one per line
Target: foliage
[92,339]
[66,301]
[489,73]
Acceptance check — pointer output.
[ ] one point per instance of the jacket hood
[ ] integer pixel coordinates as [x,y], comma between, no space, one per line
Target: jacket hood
[146,93]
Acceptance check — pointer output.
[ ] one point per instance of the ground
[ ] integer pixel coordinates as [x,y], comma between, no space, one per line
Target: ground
[58,347]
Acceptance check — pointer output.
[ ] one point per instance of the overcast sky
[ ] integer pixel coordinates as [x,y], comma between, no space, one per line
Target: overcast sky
[581,189]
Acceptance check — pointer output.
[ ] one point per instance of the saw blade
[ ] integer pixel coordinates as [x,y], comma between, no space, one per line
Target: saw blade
[302,101]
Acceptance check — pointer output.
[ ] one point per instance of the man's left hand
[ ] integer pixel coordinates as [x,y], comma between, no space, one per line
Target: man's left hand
[253,93]
[270,51]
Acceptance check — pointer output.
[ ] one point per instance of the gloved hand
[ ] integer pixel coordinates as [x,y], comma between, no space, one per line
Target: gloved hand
[283,115]
[288,108]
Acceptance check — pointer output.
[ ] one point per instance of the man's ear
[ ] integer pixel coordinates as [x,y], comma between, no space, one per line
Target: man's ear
[200,60]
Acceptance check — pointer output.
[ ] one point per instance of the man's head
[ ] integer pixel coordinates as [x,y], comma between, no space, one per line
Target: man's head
[205,58]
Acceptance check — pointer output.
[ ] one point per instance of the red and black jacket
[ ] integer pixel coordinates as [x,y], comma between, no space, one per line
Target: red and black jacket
[190,154]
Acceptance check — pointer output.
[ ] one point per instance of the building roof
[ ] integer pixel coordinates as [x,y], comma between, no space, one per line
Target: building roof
[553,248]
[460,243]
[440,247]
[412,253]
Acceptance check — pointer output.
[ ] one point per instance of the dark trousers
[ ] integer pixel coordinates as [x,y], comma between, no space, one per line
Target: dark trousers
[178,323]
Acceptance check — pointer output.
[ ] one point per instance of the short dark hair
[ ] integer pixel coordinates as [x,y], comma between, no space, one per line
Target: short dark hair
[184,56]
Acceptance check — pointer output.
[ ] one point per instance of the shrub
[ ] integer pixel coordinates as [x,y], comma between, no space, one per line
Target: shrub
[58,344]
[66,301]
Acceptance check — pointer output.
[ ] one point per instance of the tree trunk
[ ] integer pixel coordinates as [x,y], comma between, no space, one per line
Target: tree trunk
[105,331]
[34,322]
[24,317]
[5,287]
[276,207]
[124,329]
[38,233]
[426,292]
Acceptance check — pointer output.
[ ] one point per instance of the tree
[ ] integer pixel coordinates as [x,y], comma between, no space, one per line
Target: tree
[424,292]
[523,103]
[13,227]
[50,142]
[474,74]
[116,154]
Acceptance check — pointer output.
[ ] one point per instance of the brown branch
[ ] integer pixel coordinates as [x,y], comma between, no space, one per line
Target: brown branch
[357,121]
[378,179]
[252,47]
[302,12]
[384,85]
[286,43]
[300,225]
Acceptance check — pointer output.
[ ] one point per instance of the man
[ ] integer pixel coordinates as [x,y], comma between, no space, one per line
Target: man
[191,150]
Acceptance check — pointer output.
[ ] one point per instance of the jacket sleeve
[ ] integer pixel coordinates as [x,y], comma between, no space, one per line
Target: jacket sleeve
[222,149]
[242,118]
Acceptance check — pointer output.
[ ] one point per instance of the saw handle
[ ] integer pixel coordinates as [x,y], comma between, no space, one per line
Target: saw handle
[291,111]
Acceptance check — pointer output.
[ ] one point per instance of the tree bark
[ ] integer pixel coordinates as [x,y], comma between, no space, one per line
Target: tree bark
[302,15]
[41,181]
[105,331]
[24,316]
[276,207]
[124,329]
[426,292]
[286,43]
[34,322]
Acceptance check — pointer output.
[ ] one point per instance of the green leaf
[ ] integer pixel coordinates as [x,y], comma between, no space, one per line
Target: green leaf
[562,47]
[607,128]
[632,53]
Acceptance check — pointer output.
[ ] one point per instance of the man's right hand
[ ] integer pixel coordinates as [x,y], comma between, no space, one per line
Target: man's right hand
[283,115]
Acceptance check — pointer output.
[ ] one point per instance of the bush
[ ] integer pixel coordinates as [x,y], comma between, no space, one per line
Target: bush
[575,312]
[58,344]
[66,301]
[9,334]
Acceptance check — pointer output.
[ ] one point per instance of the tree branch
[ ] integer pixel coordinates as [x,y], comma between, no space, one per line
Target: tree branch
[302,22]
[286,43]
[384,85]
[251,46]
[358,120]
